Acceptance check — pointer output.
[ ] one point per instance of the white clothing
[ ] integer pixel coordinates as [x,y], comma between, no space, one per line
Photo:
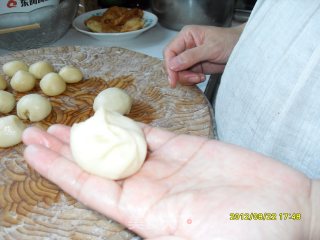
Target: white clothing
[269,96]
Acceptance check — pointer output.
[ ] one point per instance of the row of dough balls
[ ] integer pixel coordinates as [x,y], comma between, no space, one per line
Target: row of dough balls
[36,107]
[51,83]
[23,78]
[33,107]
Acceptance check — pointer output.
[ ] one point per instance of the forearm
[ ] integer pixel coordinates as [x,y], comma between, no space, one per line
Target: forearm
[315,211]
[232,39]
[239,28]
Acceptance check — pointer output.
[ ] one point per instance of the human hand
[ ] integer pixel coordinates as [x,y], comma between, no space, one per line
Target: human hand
[187,188]
[199,50]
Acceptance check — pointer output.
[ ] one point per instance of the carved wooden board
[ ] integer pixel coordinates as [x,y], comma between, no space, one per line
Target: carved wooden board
[32,207]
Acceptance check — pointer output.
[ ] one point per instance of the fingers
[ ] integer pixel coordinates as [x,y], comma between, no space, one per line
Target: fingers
[37,136]
[177,46]
[172,75]
[61,132]
[156,137]
[100,194]
[191,55]
[190,77]
[168,145]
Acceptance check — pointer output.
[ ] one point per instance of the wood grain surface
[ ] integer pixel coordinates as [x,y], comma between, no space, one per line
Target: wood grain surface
[32,207]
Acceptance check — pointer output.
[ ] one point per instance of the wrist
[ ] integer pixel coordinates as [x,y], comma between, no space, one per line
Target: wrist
[239,29]
[314,232]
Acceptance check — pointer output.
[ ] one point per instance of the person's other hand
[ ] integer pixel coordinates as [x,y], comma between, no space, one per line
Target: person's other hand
[199,50]
[188,188]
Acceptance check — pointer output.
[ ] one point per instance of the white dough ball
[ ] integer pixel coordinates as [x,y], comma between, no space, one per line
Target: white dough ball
[108,145]
[40,69]
[71,74]
[33,107]
[11,129]
[3,83]
[52,84]
[7,102]
[113,99]
[10,68]
[22,81]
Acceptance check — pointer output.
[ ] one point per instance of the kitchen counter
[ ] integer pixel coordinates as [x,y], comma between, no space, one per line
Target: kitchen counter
[151,43]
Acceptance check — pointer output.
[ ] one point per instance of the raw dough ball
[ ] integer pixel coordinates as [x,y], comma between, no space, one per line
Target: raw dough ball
[10,68]
[22,81]
[11,129]
[71,74]
[33,107]
[108,145]
[3,83]
[113,99]
[40,69]
[52,84]
[7,102]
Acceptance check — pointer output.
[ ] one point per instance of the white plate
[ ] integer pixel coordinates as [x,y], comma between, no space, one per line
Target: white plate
[150,20]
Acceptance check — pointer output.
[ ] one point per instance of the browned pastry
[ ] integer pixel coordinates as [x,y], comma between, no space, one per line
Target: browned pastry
[132,24]
[116,19]
[94,24]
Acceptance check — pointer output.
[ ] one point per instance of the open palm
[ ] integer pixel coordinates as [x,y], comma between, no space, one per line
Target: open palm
[187,188]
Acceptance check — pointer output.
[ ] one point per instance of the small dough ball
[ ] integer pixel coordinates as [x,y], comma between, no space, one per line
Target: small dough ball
[10,68]
[22,81]
[113,99]
[3,83]
[7,102]
[33,107]
[52,84]
[40,69]
[71,74]
[11,129]
[108,145]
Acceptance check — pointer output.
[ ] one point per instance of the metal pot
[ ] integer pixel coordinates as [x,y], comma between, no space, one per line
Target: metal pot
[178,13]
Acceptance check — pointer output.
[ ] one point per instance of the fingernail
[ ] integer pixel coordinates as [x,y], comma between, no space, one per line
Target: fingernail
[30,151]
[175,64]
[194,79]
[171,83]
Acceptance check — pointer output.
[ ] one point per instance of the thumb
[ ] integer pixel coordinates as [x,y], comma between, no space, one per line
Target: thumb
[193,56]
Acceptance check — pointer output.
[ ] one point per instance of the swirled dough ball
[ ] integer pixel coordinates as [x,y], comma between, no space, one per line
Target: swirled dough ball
[7,102]
[40,69]
[52,84]
[71,74]
[108,145]
[113,99]
[10,68]
[3,83]
[22,81]
[33,107]
[11,129]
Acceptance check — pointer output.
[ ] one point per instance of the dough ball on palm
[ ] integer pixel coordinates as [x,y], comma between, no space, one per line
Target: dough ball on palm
[33,107]
[40,69]
[52,84]
[10,68]
[113,99]
[11,129]
[23,81]
[71,74]
[7,102]
[108,145]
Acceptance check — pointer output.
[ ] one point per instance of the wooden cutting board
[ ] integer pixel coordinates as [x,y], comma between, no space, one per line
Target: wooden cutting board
[32,207]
